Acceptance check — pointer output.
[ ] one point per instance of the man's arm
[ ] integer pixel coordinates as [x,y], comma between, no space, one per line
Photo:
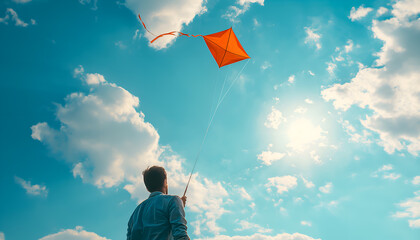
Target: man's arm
[177,219]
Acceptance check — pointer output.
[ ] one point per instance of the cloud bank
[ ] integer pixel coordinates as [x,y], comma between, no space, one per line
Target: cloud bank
[259,236]
[390,88]
[74,234]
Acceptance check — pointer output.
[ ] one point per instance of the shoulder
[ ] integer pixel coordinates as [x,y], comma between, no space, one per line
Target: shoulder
[168,200]
[139,206]
[171,197]
[173,200]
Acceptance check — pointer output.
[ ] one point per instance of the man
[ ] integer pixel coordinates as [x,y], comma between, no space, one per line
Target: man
[161,216]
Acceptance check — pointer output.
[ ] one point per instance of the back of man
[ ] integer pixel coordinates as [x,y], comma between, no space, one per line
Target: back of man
[161,216]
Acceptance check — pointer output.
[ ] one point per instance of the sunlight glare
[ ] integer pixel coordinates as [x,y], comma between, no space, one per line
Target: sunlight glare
[303,133]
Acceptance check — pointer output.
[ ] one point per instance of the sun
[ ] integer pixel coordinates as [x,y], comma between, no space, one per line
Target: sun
[303,134]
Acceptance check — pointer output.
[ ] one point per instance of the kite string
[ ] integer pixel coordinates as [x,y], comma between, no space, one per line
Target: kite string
[213,97]
[223,88]
[208,126]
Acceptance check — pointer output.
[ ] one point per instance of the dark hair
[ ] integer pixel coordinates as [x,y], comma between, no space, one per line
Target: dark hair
[154,178]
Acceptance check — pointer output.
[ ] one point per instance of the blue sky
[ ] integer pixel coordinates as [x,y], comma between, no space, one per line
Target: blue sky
[318,138]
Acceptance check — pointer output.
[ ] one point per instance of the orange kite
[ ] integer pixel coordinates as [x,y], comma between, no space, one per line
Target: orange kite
[224,46]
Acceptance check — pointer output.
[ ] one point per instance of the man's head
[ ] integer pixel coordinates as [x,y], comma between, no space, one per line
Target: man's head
[155,179]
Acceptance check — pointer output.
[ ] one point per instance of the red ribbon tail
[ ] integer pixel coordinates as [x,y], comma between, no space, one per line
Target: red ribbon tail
[166,34]
[144,25]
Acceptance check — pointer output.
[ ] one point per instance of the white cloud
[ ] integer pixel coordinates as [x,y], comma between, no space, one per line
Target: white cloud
[349,47]
[306,223]
[165,16]
[331,205]
[245,225]
[389,89]
[93,3]
[326,188]
[244,194]
[282,184]
[93,78]
[74,234]
[21,1]
[256,23]
[291,79]
[416,180]
[278,202]
[12,16]
[307,183]
[265,65]
[301,110]
[386,168]
[259,236]
[197,226]
[243,6]
[137,34]
[381,11]
[315,157]
[108,143]
[274,119]
[341,57]
[331,67]
[360,13]
[244,2]
[283,210]
[414,223]
[392,176]
[309,101]
[35,189]
[406,8]
[386,174]
[268,157]
[411,210]
[312,38]
[355,136]
[77,72]
[120,44]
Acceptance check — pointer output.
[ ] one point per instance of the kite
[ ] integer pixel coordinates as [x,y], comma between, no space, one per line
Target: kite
[224,46]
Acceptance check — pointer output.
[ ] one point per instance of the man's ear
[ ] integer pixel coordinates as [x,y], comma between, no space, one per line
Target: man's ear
[165,184]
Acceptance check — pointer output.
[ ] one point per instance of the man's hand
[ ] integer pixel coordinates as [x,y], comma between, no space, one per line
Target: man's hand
[184,200]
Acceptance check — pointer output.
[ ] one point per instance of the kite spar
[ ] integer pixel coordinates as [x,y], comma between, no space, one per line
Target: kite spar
[226,49]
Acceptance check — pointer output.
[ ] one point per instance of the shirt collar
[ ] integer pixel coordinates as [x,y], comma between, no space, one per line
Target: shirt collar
[155,194]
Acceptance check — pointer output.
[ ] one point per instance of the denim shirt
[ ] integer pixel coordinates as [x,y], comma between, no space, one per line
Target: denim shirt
[160,217]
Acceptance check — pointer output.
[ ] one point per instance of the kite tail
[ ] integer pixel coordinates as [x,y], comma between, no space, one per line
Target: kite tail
[173,33]
[144,25]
